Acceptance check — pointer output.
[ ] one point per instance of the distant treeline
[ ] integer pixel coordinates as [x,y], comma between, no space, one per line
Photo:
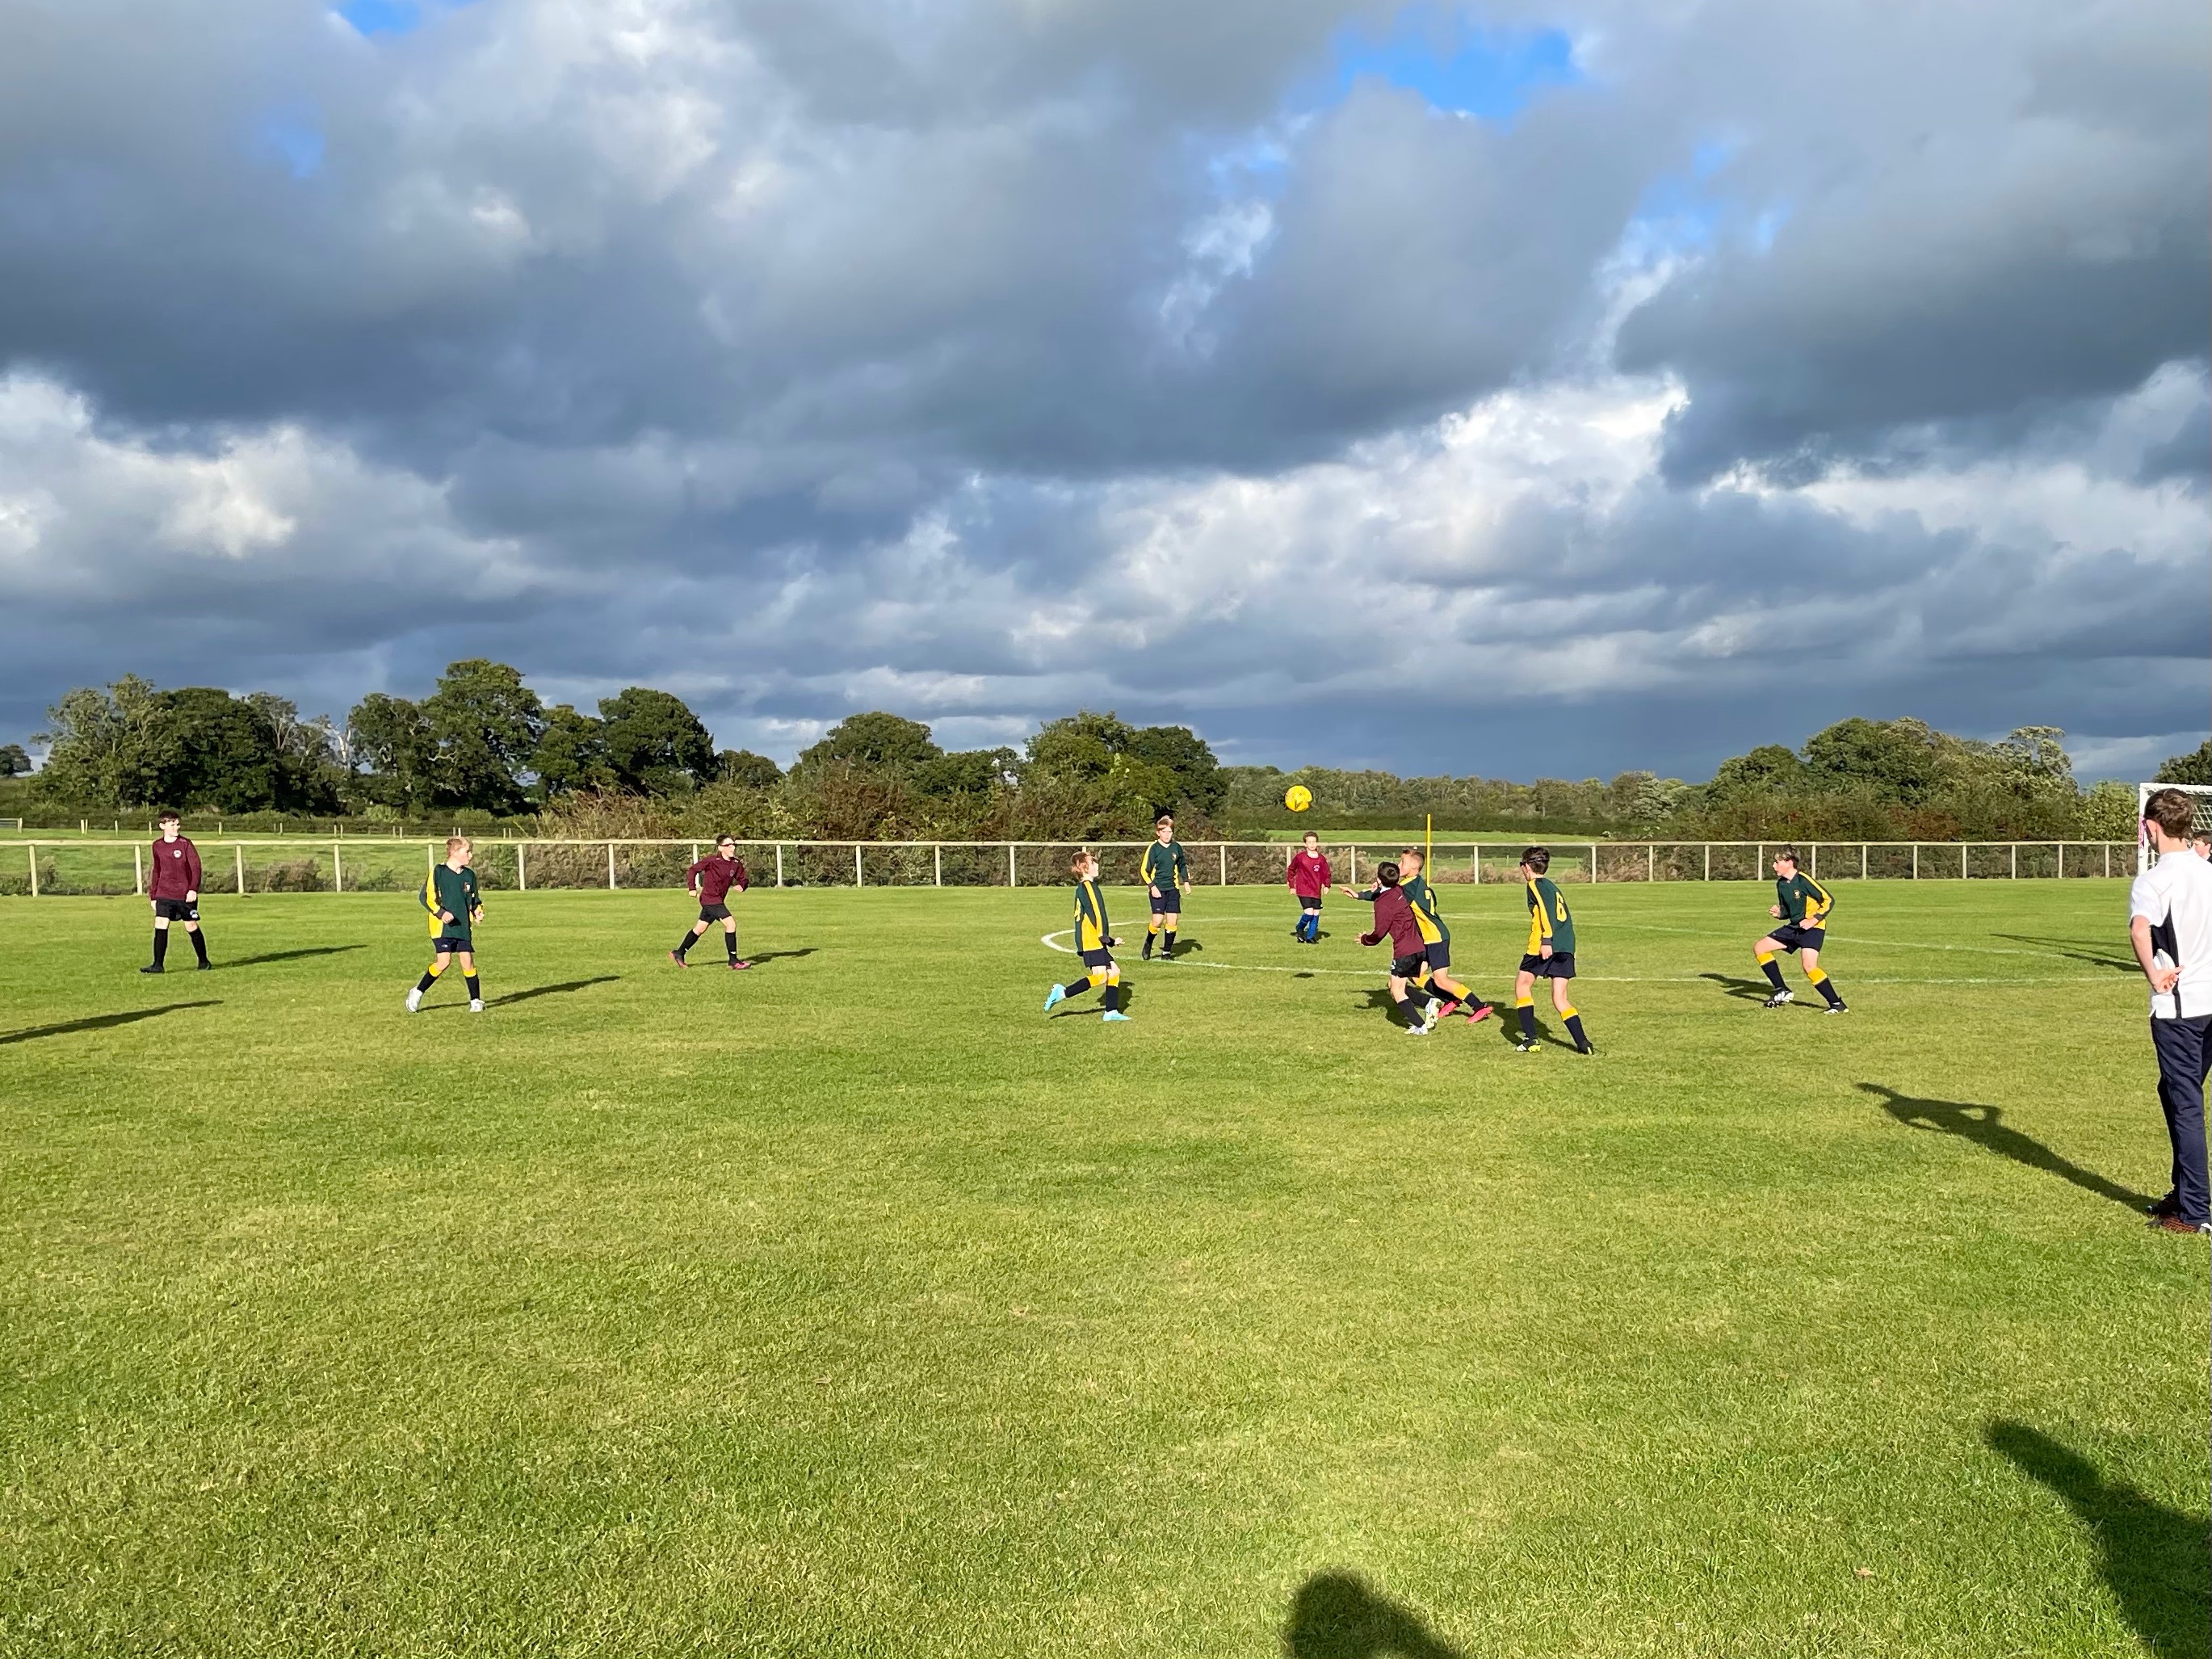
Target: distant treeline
[482,747]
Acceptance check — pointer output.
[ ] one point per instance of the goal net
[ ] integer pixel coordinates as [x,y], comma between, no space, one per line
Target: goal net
[2200,821]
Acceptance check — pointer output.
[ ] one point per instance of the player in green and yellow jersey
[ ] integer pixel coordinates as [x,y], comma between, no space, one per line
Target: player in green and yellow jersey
[1165,874]
[449,894]
[1803,905]
[1094,942]
[1452,997]
[1550,954]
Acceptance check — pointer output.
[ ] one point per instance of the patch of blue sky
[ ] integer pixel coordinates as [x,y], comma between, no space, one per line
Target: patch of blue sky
[295,140]
[1685,212]
[1455,63]
[374,17]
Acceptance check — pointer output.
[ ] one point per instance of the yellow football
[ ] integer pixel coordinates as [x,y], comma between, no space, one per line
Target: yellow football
[1298,798]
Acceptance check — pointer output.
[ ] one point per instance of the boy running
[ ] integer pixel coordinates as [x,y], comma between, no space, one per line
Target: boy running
[1307,877]
[1435,940]
[451,898]
[173,886]
[1165,873]
[1394,920]
[1803,904]
[1550,955]
[712,879]
[1093,943]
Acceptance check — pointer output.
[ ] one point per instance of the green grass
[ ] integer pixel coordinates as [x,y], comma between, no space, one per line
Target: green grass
[851,1307]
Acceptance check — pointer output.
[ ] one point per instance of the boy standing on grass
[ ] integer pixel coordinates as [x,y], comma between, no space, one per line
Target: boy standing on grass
[1550,955]
[1307,877]
[712,878]
[450,896]
[1093,942]
[1803,905]
[2170,926]
[175,888]
[1435,940]
[1394,920]
[1165,873]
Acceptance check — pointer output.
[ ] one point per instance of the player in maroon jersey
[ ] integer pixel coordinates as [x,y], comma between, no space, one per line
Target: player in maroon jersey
[712,880]
[173,885]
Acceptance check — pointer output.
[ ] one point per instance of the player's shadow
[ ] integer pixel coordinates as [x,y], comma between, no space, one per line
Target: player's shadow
[514,997]
[1751,990]
[101,1022]
[1087,1003]
[2075,950]
[289,956]
[1985,1126]
[1336,1615]
[2152,1557]
[758,958]
[1378,1000]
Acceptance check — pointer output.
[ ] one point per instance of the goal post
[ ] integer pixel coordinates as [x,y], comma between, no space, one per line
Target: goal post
[2200,821]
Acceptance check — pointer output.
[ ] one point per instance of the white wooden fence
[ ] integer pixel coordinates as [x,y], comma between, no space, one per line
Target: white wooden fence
[281,864]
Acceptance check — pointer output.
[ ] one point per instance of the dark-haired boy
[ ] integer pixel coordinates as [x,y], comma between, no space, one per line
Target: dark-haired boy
[712,880]
[1803,905]
[1394,920]
[1435,940]
[173,886]
[450,894]
[1550,954]
[1094,943]
[1165,873]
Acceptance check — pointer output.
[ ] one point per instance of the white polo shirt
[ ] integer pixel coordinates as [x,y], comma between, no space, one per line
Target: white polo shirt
[2175,896]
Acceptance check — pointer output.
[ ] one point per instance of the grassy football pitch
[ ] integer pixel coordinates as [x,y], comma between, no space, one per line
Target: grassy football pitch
[851,1306]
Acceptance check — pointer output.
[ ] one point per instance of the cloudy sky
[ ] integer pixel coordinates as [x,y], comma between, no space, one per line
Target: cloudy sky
[1511,388]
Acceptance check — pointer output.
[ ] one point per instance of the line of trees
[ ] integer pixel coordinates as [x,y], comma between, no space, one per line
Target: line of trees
[483,743]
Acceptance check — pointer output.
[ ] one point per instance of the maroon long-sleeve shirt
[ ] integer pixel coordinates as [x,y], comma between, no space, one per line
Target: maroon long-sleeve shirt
[1394,917]
[713,876]
[176,870]
[1307,876]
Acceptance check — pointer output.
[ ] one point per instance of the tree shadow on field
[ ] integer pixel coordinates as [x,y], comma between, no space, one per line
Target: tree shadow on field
[288,955]
[1751,990]
[514,997]
[1983,1125]
[101,1022]
[2075,950]
[1335,1615]
[2152,1557]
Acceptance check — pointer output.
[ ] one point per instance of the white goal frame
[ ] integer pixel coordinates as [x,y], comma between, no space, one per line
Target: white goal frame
[2199,820]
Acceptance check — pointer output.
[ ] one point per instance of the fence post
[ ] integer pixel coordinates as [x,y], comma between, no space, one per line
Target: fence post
[1225,864]
[1962,858]
[35,869]
[2062,859]
[2015,858]
[1474,865]
[779,864]
[1651,862]
[1862,875]
[611,867]
[1012,879]
[1916,860]
[937,859]
[1355,867]
[858,880]
[1593,864]
[522,870]
[1758,859]
[138,868]
[1708,860]
[239,847]
[2108,860]
[337,869]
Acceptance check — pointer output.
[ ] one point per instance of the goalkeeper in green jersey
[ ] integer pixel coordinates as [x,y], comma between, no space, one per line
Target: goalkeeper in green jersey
[449,894]
[1803,905]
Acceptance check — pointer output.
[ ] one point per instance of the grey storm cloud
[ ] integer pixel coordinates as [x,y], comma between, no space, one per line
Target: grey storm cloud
[978,360]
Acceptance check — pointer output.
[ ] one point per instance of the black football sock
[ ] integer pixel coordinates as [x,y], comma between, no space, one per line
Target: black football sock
[686,942]
[161,946]
[1151,934]
[1075,987]
[476,986]
[1112,998]
[1773,972]
[1526,1010]
[1167,943]
[731,941]
[430,978]
[198,937]
[1825,986]
[1575,1030]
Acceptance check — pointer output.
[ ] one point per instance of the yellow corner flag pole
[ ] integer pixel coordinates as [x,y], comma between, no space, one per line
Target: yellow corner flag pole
[1428,844]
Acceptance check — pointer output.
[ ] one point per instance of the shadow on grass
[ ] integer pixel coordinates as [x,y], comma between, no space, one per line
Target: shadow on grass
[289,956]
[514,997]
[1983,1125]
[1751,990]
[101,1022]
[1091,1004]
[1335,1615]
[2152,1557]
[758,958]
[2075,950]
